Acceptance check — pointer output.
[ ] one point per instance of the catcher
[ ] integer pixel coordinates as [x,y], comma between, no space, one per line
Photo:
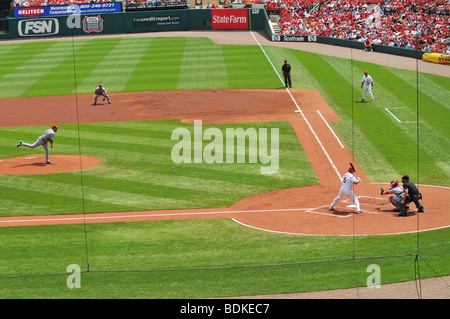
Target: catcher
[398,193]
[100,91]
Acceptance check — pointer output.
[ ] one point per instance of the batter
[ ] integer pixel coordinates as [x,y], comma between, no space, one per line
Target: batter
[347,190]
[43,140]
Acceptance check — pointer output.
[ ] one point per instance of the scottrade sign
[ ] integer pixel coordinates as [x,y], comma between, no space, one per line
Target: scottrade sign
[230,19]
[86,8]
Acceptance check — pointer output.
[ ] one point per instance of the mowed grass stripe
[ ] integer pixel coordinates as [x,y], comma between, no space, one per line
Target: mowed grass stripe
[159,66]
[24,76]
[20,54]
[116,68]
[61,78]
[120,195]
[202,66]
[248,68]
[6,48]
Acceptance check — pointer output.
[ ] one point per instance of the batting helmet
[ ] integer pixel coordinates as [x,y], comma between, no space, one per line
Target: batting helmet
[394,183]
[100,85]
[350,170]
[54,126]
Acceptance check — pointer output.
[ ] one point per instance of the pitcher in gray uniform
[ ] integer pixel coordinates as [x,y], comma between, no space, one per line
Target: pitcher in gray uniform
[43,140]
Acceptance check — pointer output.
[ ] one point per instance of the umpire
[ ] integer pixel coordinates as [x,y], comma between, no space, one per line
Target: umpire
[286,68]
[411,195]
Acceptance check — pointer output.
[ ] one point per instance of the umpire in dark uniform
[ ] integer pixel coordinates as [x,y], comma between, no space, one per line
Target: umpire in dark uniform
[411,195]
[286,68]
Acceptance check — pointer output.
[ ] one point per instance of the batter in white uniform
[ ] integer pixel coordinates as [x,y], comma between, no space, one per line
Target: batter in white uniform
[43,140]
[347,190]
[367,83]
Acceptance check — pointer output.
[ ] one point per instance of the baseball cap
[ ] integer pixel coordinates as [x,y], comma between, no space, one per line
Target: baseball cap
[365,72]
[54,126]
[285,60]
[100,85]
[405,177]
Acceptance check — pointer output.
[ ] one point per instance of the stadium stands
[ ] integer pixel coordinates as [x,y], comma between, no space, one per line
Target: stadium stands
[413,24]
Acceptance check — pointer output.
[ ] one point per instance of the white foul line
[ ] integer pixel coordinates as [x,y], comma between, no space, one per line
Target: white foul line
[331,130]
[395,117]
[300,111]
[124,216]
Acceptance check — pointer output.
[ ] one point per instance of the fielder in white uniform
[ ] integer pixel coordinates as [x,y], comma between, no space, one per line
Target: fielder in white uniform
[43,140]
[367,83]
[347,190]
[100,91]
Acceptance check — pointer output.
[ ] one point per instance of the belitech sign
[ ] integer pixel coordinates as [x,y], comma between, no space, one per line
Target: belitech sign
[31,12]
[229,19]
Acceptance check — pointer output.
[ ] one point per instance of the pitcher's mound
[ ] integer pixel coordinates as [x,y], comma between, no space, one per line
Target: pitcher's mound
[35,164]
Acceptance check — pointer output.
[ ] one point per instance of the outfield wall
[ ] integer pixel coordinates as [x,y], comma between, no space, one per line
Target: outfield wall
[168,20]
[136,22]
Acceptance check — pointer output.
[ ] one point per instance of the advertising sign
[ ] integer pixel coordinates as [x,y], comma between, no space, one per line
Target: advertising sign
[86,8]
[229,19]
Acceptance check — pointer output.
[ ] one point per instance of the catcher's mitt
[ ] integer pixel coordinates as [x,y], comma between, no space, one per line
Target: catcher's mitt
[382,190]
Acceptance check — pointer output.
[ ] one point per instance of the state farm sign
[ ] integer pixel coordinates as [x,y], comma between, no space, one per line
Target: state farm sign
[229,19]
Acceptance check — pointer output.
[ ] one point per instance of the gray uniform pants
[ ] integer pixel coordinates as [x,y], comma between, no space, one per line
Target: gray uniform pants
[105,96]
[40,142]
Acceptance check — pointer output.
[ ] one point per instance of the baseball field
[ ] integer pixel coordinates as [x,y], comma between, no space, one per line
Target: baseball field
[149,197]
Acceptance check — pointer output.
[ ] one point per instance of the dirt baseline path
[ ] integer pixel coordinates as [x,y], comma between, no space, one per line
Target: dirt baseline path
[295,211]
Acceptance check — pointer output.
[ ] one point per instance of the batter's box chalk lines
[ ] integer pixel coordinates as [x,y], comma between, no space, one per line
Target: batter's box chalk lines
[31,157]
[314,211]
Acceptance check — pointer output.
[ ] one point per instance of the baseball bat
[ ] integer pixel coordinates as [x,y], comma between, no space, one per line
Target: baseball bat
[354,171]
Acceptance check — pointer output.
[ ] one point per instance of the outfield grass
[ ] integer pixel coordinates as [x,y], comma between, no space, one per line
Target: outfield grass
[383,147]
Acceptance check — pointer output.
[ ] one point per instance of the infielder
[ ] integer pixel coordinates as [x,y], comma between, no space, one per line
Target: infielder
[347,190]
[398,193]
[43,140]
[367,83]
[100,91]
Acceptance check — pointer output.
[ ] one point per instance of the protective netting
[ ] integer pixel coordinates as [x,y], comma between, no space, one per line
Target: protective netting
[143,261]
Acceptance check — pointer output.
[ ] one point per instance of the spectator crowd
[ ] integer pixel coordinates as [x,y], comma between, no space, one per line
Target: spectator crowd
[413,24]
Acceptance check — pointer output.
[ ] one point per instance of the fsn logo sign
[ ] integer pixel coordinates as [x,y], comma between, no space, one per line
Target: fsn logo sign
[38,27]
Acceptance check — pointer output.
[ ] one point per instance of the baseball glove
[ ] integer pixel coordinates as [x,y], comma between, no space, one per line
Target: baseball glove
[382,190]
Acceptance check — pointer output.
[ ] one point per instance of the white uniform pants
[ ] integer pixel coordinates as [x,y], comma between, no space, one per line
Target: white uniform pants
[349,193]
[39,142]
[367,89]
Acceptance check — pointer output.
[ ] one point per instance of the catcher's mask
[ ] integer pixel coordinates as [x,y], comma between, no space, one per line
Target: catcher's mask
[394,183]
